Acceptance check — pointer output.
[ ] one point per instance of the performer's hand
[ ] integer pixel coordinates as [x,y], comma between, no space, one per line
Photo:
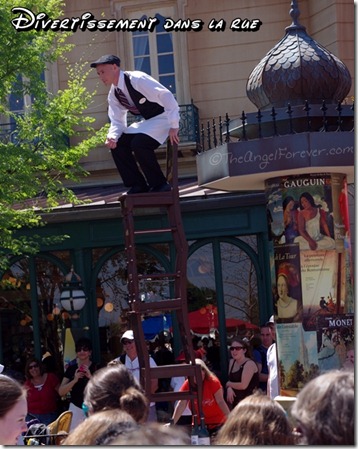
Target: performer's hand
[174,135]
[111,143]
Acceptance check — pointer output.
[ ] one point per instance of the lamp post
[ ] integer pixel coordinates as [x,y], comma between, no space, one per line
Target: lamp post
[73,298]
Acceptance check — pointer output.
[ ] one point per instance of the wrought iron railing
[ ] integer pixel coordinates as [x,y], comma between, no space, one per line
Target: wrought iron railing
[189,125]
[277,122]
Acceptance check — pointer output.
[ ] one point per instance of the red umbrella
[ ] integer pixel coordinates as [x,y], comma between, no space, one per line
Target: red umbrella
[206,318]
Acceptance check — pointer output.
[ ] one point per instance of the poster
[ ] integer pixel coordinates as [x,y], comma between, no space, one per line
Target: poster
[319,285]
[288,285]
[335,341]
[297,355]
[311,274]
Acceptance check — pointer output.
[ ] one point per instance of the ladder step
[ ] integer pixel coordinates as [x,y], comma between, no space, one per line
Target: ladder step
[160,372]
[147,200]
[168,396]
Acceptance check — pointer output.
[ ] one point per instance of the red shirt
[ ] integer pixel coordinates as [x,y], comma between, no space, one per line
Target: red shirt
[213,414]
[42,400]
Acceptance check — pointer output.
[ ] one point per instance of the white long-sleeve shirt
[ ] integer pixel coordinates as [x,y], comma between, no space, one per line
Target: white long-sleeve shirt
[156,127]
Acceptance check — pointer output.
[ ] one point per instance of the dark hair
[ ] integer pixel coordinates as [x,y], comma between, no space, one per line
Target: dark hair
[83,343]
[29,362]
[286,201]
[11,391]
[115,387]
[309,198]
[325,409]
[243,343]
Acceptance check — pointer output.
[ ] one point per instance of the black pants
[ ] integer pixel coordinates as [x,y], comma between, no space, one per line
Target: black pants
[138,147]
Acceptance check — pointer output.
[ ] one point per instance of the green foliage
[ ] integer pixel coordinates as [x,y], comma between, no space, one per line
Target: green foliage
[37,159]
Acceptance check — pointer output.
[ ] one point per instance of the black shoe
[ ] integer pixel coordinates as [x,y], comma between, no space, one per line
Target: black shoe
[138,189]
[162,188]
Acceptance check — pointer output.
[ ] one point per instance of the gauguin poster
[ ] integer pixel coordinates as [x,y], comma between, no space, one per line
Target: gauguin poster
[312,275]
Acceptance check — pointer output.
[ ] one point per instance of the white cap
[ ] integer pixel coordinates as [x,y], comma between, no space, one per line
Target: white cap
[1,368]
[128,334]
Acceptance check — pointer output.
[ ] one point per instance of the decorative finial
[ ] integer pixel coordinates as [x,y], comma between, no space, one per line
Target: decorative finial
[295,13]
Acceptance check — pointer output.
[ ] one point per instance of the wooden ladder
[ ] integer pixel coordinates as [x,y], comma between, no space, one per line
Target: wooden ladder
[177,303]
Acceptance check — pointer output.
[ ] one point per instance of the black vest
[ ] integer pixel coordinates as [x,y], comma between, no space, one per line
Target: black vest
[148,109]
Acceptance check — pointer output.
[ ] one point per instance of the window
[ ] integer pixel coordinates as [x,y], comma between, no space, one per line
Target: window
[153,53]
[18,102]
[160,53]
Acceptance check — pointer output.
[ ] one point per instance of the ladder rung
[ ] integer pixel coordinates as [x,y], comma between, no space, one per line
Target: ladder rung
[172,396]
[161,372]
[146,200]
[170,304]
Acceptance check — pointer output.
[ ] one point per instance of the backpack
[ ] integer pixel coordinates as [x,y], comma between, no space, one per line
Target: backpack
[36,435]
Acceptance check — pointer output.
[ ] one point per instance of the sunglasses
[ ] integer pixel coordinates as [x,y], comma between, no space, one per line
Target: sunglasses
[33,366]
[236,348]
[82,348]
[127,342]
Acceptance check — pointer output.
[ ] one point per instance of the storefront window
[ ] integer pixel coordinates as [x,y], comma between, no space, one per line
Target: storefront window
[112,295]
[22,323]
[223,273]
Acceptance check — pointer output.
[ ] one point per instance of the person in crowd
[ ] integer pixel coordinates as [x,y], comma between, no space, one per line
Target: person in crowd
[42,396]
[256,421]
[163,355]
[130,360]
[311,223]
[243,373]
[214,407]
[76,378]
[324,411]
[273,386]
[260,355]
[140,94]
[288,308]
[115,387]
[153,434]
[289,206]
[13,410]
[101,428]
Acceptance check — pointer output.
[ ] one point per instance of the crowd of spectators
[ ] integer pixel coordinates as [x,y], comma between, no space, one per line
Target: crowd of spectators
[244,411]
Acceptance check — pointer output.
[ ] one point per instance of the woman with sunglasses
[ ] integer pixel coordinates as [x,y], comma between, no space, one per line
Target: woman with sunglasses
[76,378]
[243,373]
[42,392]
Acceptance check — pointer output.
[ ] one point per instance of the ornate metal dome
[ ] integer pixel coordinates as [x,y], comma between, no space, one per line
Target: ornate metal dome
[297,69]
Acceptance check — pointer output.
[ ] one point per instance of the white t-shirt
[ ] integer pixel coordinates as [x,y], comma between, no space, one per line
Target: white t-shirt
[273,386]
[133,366]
